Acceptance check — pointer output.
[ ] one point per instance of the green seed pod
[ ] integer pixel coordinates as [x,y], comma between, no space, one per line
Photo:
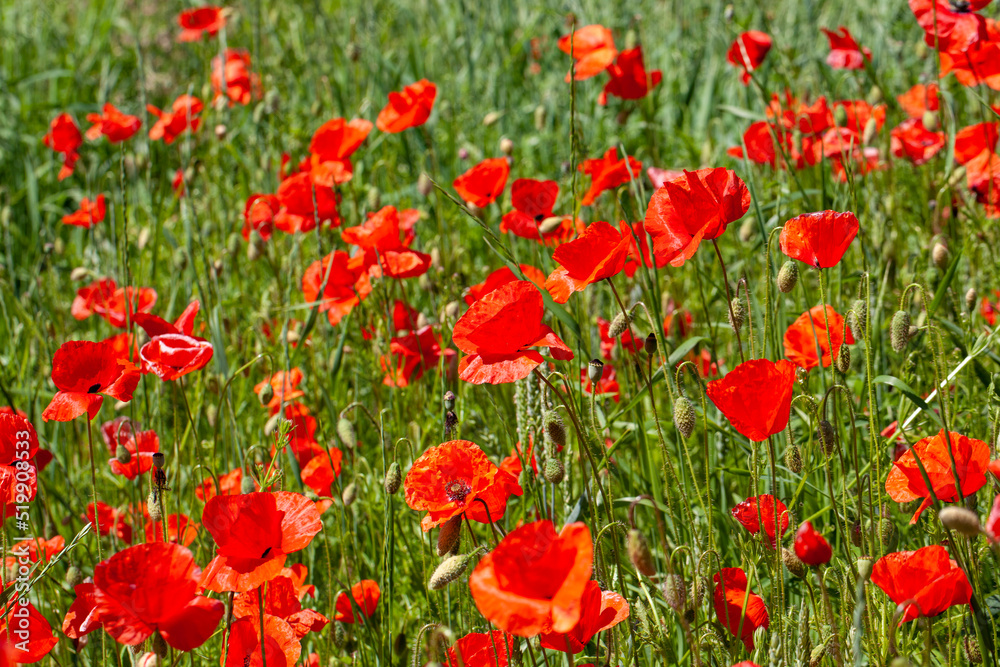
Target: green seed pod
[555,429]
[827,436]
[153,506]
[899,330]
[843,362]
[350,494]
[639,554]
[393,478]
[595,370]
[857,318]
[684,416]
[793,458]
[793,564]
[737,314]
[448,536]
[348,436]
[553,471]
[266,394]
[246,484]
[675,591]
[788,276]
[448,571]
[123,455]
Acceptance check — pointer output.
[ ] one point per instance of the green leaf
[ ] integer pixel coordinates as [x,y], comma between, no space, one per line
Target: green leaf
[910,394]
[942,288]
[681,350]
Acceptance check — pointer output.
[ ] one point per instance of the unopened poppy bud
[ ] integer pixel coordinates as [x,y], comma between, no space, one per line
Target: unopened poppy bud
[553,471]
[506,146]
[840,115]
[684,416]
[639,554]
[930,120]
[158,460]
[827,436]
[555,429]
[339,634]
[865,567]
[788,276]
[271,425]
[970,299]
[153,506]
[73,575]
[650,345]
[448,536]
[675,591]
[550,224]
[266,394]
[350,494]
[424,184]
[737,314]
[793,458]
[620,324]
[857,318]
[255,246]
[970,645]
[871,129]
[449,570]
[746,230]
[539,118]
[940,255]
[875,96]
[123,455]
[449,400]
[492,117]
[886,533]
[595,370]
[631,39]
[393,478]
[728,13]
[475,210]
[246,484]
[843,358]
[792,563]
[220,132]
[159,646]
[963,521]
[899,330]
[138,649]
[345,431]
[79,273]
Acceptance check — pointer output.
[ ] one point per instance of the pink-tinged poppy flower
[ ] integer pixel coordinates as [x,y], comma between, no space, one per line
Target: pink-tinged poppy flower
[695,207]
[629,78]
[926,580]
[174,355]
[113,124]
[913,141]
[762,513]
[992,525]
[952,27]
[207,20]
[756,397]
[819,239]
[658,177]
[171,124]
[593,49]
[737,607]
[483,183]
[64,137]
[409,108]
[85,372]
[811,547]
[919,99]
[844,50]
[366,595]
[599,611]
[497,332]
[748,52]
[88,215]
[608,172]
[809,331]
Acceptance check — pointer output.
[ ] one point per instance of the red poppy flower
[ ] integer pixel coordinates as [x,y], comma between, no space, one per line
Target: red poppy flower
[593,49]
[228,485]
[980,65]
[599,611]
[534,581]
[116,431]
[177,182]
[346,286]
[38,549]
[322,471]
[282,601]
[380,231]
[235,79]
[84,372]
[819,239]
[992,525]
[533,202]
[25,635]
[18,439]
[905,481]
[756,397]
[500,277]
[141,447]
[411,355]
[599,253]
[285,387]
[919,99]
[113,124]
[482,649]
[607,384]
[254,533]
[608,172]
[243,647]
[99,291]
[926,576]
[123,304]
[296,197]
[171,356]
[730,596]
[64,137]
[408,108]
[451,479]
[949,26]
[384,249]
[811,547]
[858,113]
[809,331]
[629,78]
[180,530]
[497,331]
[331,148]
[483,183]
[695,207]
[759,144]
[748,51]
[760,512]
[366,595]
[974,140]
[258,215]
[182,116]
[108,518]
[154,325]
[910,139]
[88,215]
[202,20]
[844,50]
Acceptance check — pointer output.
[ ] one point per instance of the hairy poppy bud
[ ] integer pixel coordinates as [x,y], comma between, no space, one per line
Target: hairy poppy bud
[158,460]
[930,120]
[450,421]
[449,400]
[339,634]
[843,358]
[153,506]
[940,255]
[595,369]
[788,276]
[399,643]
[353,52]
[393,478]
[684,416]
[211,414]
[424,184]
[266,394]
[137,649]
[620,324]
[73,575]
[79,273]
[271,425]
[159,646]
[963,521]
[350,494]
[550,224]
[448,536]
[875,96]
[123,455]
[886,533]
[639,554]
[675,591]
[899,330]
[827,436]
[506,146]
[970,645]
[255,246]
[792,563]
[970,299]
[737,314]
[448,571]
[554,471]
[793,458]
[650,345]
[348,436]
[857,318]
[555,429]
[871,129]
[246,484]
[865,567]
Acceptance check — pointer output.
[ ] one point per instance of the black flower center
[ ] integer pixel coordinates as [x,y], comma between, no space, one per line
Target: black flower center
[960,6]
[457,490]
[94,388]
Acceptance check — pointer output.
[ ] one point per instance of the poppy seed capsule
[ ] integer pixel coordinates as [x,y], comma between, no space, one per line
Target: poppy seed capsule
[843,358]
[639,554]
[963,521]
[620,324]
[266,394]
[449,400]
[345,431]
[793,458]
[350,494]
[788,276]
[595,369]
[393,478]
[555,429]
[158,460]
[554,471]
[448,536]
[650,345]
[123,455]
[684,416]
[737,314]
[675,591]
[792,563]
[899,330]
[827,436]
[970,299]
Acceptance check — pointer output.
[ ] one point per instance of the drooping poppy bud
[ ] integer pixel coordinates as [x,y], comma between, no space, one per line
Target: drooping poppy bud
[639,554]
[788,276]
[961,520]
[449,570]
[393,478]
[899,330]
[684,416]
[737,314]
[449,535]
[554,470]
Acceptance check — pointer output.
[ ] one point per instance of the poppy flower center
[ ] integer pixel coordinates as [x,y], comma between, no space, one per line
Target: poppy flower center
[960,6]
[457,490]
[94,388]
